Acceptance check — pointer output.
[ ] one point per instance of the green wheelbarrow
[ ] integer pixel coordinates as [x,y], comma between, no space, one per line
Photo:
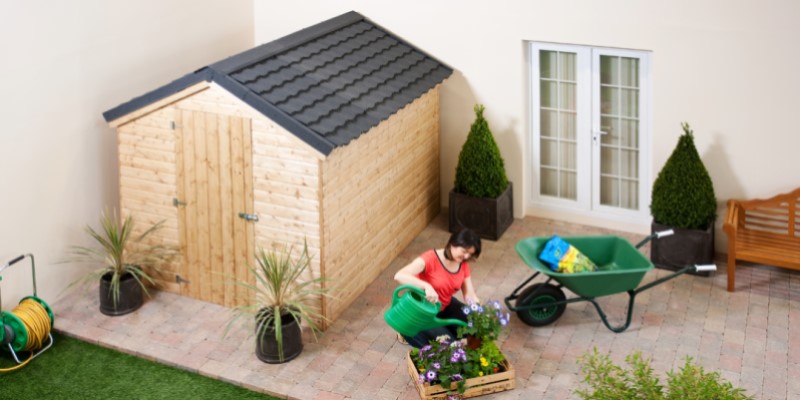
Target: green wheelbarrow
[620,268]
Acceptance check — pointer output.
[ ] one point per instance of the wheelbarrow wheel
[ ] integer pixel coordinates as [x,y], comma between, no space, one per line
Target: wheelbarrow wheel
[547,294]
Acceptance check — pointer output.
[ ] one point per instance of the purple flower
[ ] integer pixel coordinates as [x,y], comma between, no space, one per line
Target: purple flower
[430,376]
[456,377]
[425,348]
[465,310]
[503,322]
[436,365]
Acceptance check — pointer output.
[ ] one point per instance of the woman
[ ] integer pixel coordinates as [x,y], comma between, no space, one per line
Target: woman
[441,273]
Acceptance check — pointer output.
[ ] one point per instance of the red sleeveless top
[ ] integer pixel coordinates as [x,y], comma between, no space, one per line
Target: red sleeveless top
[445,283]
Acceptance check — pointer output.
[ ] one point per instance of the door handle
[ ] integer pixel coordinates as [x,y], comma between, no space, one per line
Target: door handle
[248,217]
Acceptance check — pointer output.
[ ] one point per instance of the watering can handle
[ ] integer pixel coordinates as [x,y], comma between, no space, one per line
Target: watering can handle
[412,289]
[396,296]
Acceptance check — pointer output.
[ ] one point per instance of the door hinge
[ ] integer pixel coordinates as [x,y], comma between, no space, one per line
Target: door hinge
[173,125]
[179,279]
[177,203]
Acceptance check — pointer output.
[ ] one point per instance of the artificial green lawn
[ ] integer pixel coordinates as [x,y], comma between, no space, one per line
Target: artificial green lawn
[73,369]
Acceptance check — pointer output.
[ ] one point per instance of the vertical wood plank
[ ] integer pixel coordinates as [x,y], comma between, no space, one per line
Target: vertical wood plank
[238,201]
[227,211]
[215,209]
[249,239]
[201,215]
[190,198]
[180,191]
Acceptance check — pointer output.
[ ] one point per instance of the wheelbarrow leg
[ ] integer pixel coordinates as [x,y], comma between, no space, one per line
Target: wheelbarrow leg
[632,295]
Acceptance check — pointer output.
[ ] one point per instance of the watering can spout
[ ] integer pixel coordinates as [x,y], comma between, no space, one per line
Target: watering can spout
[411,313]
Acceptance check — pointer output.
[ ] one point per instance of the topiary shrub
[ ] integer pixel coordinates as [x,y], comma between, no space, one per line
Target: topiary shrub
[683,194]
[480,171]
[606,380]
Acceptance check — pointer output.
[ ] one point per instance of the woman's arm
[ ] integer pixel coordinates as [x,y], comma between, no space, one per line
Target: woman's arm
[469,291]
[408,276]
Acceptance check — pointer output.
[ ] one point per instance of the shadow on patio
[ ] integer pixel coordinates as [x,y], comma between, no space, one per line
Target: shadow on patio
[746,336]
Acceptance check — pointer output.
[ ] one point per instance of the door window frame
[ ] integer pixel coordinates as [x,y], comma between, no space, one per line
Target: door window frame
[588,94]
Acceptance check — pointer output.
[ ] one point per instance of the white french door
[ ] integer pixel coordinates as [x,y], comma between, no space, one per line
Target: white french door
[590,130]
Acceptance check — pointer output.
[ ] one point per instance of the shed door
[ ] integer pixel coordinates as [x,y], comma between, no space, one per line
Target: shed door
[215,203]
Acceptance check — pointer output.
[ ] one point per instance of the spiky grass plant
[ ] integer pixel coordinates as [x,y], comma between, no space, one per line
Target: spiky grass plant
[282,287]
[119,252]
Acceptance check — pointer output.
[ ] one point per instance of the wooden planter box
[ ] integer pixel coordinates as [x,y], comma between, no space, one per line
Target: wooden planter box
[493,383]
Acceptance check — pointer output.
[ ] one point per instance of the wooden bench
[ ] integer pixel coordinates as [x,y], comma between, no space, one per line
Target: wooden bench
[765,231]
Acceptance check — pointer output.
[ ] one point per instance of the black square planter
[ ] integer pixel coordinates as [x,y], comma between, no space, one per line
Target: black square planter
[684,247]
[488,217]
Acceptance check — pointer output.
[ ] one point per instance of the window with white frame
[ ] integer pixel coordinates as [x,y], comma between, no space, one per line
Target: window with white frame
[590,130]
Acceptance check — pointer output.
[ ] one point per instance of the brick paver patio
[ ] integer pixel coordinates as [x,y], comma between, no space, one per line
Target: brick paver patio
[747,336]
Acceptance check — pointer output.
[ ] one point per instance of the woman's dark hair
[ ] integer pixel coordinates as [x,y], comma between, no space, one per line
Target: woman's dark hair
[464,238]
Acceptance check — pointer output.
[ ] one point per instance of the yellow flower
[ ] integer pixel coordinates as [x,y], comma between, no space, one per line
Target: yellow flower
[480,373]
[484,363]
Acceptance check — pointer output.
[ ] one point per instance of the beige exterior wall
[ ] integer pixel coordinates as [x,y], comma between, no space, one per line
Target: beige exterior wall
[379,192]
[64,64]
[726,67]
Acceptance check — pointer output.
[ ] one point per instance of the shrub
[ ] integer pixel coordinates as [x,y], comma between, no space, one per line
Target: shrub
[480,171]
[683,194]
[606,380]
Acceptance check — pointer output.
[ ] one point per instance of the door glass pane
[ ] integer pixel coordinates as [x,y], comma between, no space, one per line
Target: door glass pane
[549,182]
[558,121]
[567,68]
[547,64]
[567,95]
[569,121]
[548,123]
[569,185]
[549,153]
[549,94]
[629,72]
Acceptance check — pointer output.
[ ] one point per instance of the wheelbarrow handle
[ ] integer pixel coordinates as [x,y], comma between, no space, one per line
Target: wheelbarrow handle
[655,235]
[705,267]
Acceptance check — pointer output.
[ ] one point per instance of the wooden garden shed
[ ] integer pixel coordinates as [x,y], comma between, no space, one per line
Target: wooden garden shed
[329,135]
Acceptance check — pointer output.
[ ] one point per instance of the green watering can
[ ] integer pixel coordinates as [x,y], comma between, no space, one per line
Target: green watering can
[411,313]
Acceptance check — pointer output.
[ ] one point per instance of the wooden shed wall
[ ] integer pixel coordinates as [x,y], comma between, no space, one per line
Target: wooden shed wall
[284,174]
[379,192]
[358,208]
[147,180]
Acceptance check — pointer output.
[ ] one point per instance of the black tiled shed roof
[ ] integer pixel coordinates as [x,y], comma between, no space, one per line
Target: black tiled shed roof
[326,84]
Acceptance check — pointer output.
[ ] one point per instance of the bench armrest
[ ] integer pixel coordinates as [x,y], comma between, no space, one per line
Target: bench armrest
[732,220]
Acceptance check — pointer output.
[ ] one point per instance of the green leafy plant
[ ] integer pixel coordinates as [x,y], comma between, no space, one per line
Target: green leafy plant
[282,288]
[119,252]
[447,362]
[683,193]
[480,171]
[606,380]
[484,321]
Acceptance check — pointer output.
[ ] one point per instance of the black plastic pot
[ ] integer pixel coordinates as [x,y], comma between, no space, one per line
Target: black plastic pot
[684,247]
[488,217]
[131,295]
[267,349]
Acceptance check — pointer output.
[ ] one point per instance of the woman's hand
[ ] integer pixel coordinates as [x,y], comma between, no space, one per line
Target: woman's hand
[472,298]
[430,294]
